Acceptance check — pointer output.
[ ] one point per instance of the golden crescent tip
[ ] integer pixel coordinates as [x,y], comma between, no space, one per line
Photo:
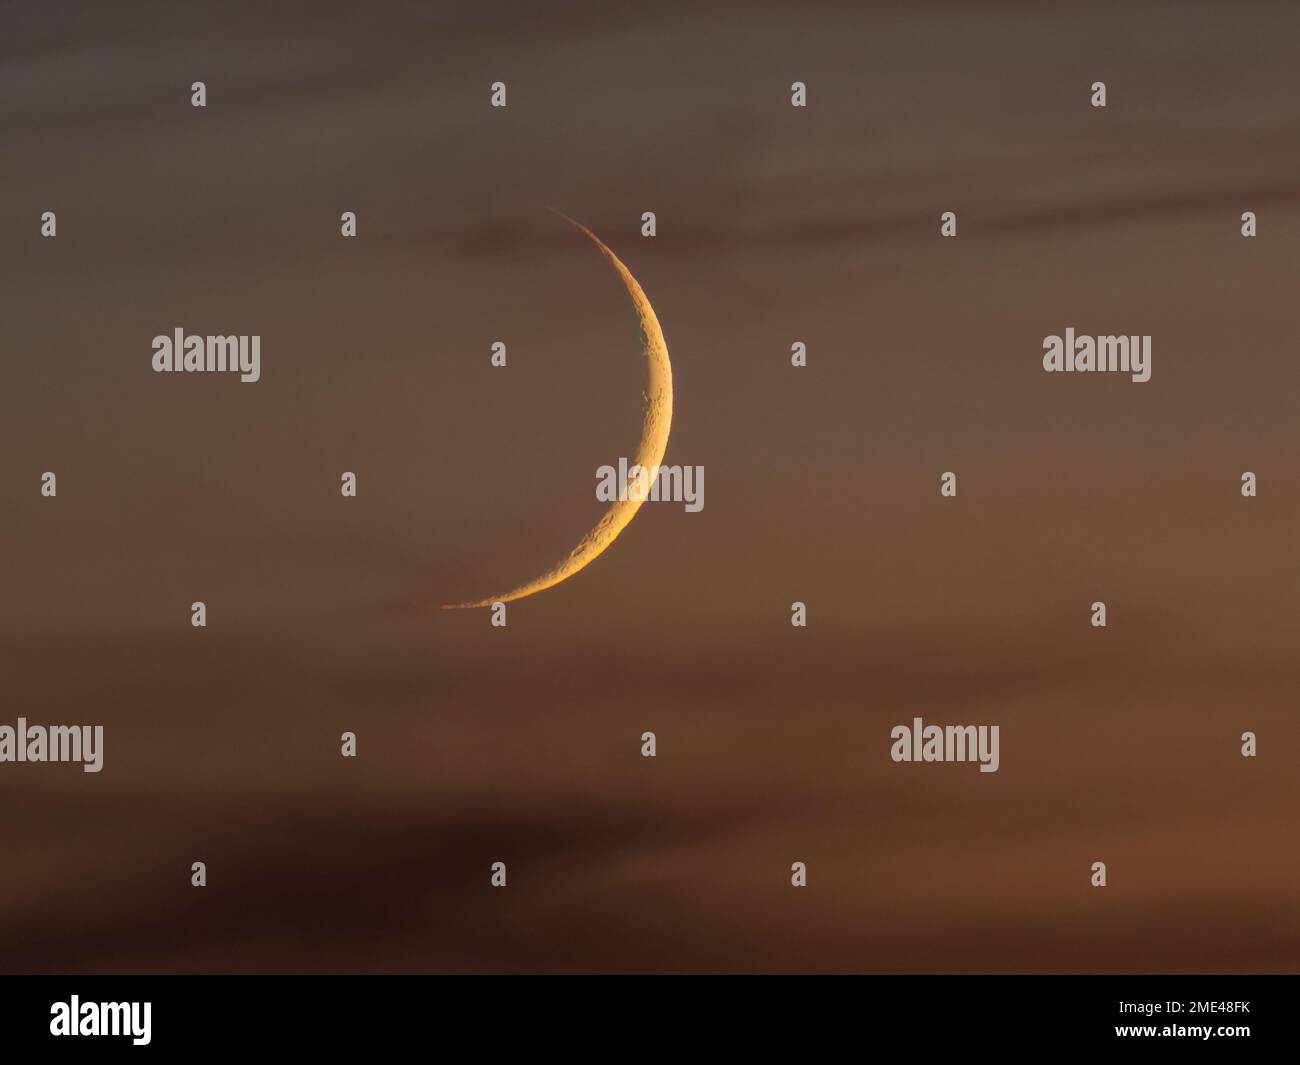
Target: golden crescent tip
[576,224]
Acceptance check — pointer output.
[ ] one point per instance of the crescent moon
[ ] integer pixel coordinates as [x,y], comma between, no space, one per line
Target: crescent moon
[657,420]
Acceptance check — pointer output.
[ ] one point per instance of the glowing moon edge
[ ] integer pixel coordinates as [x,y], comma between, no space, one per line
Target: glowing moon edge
[656,423]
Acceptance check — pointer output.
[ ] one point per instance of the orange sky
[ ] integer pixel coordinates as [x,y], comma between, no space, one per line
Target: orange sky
[522,744]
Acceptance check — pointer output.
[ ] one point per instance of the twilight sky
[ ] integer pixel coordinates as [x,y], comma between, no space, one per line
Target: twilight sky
[522,745]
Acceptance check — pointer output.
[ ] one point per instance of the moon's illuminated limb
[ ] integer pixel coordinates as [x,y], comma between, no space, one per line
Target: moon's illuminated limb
[649,453]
